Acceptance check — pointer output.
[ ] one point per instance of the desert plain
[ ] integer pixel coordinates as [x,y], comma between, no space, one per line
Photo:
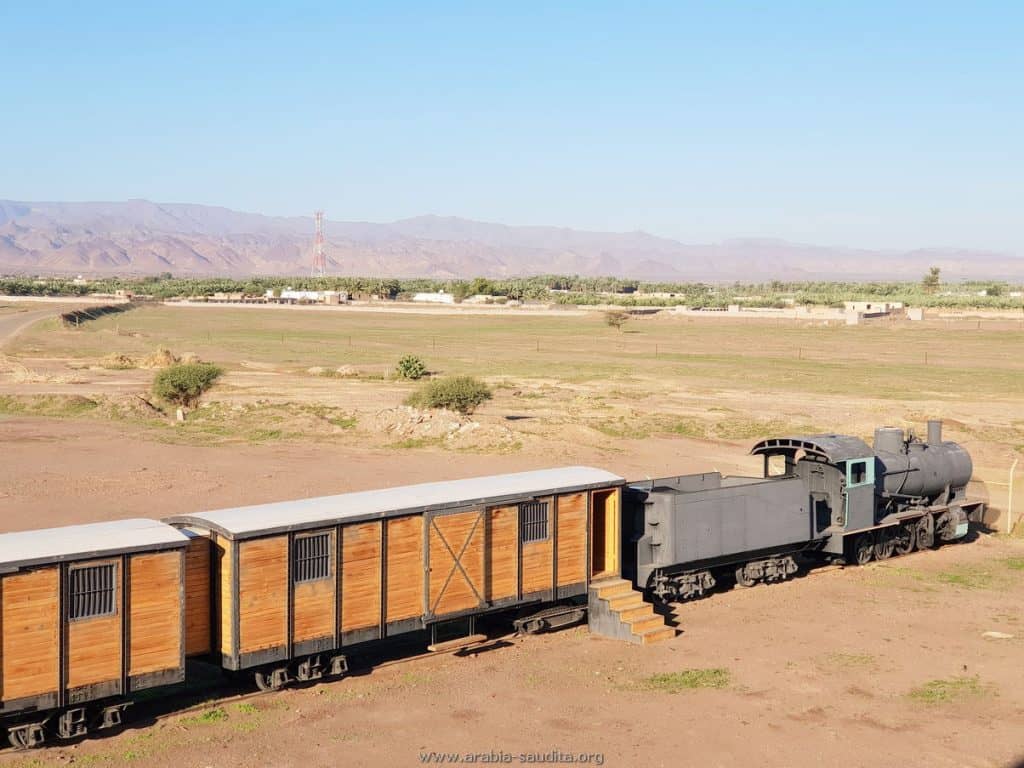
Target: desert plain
[892,663]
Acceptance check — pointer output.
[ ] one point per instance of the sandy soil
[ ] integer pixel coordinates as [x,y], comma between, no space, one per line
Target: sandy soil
[57,472]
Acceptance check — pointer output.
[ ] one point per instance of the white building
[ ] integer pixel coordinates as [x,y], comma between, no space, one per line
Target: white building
[869,307]
[434,298]
[292,296]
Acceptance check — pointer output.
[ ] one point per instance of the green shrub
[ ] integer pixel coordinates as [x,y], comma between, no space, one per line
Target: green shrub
[410,367]
[457,393]
[615,318]
[184,383]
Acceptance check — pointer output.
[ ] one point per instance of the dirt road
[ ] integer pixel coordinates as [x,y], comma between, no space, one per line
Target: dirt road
[16,319]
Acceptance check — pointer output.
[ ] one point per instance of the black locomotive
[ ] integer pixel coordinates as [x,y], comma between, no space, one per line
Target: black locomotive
[825,497]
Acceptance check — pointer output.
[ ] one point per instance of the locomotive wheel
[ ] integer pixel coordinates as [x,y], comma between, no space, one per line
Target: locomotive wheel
[885,544]
[864,548]
[905,539]
[925,533]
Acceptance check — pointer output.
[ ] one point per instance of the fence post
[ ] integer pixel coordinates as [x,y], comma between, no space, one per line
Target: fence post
[1009,500]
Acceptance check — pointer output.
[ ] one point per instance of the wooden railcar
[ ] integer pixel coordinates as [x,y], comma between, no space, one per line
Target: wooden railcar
[89,614]
[293,584]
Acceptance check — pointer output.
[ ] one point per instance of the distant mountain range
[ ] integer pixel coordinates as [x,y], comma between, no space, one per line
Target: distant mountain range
[139,237]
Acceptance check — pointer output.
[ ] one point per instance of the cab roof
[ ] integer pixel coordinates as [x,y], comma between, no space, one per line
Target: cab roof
[833,448]
[264,519]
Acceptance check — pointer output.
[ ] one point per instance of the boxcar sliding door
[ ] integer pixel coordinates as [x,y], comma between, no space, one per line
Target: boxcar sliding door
[455,562]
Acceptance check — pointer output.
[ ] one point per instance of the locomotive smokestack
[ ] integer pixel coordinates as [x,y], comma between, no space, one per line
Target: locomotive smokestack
[934,431]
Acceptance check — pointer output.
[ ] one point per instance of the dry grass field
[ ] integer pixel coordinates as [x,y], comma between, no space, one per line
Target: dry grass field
[883,665]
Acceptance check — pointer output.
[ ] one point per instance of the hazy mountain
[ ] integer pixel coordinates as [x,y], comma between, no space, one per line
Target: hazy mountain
[140,237]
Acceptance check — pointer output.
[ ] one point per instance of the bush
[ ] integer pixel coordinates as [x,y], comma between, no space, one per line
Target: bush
[184,383]
[411,367]
[457,393]
[615,319]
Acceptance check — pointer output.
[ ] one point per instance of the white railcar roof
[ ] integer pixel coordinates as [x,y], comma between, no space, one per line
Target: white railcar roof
[25,548]
[244,522]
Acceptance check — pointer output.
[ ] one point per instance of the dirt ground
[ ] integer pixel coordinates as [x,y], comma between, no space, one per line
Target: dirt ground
[887,664]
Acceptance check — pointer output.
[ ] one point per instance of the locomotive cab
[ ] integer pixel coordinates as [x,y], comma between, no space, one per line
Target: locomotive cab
[839,473]
[900,494]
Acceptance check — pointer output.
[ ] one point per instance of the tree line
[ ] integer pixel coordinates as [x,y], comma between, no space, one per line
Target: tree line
[556,289]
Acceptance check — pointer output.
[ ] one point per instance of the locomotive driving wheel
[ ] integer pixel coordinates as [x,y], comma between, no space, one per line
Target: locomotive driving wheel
[905,539]
[864,548]
[885,543]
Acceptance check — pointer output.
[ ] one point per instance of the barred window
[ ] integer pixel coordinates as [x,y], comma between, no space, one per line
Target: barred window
[312,560]
[92,591]
[533,521]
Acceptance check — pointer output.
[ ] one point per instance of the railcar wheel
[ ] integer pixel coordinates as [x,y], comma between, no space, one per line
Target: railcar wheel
[863,548]
[885,544]
[533,627]
[19,738]
[26,736]
[906,539]
[925,533]
[270,680]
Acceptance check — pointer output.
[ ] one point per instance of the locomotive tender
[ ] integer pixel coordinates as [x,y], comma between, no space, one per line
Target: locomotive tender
[821,496]
[91,614]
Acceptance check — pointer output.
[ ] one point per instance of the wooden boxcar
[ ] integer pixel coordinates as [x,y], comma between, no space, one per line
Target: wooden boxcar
[88,613]
[302,580]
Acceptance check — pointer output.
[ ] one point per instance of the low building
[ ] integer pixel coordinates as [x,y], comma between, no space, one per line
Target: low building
[434,298]
[292,296]
[868,307]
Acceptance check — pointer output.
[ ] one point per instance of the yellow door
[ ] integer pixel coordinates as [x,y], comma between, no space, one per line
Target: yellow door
[604,534]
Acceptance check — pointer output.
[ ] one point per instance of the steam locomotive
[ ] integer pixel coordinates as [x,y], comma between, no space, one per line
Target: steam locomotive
[824,497]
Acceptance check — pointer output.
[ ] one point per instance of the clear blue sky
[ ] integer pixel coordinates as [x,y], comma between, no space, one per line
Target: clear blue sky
[869,123]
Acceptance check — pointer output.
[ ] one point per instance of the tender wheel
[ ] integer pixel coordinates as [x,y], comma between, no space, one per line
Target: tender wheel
[885,544]
[743,577]
[925,533]
[863,548]
[905,539]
